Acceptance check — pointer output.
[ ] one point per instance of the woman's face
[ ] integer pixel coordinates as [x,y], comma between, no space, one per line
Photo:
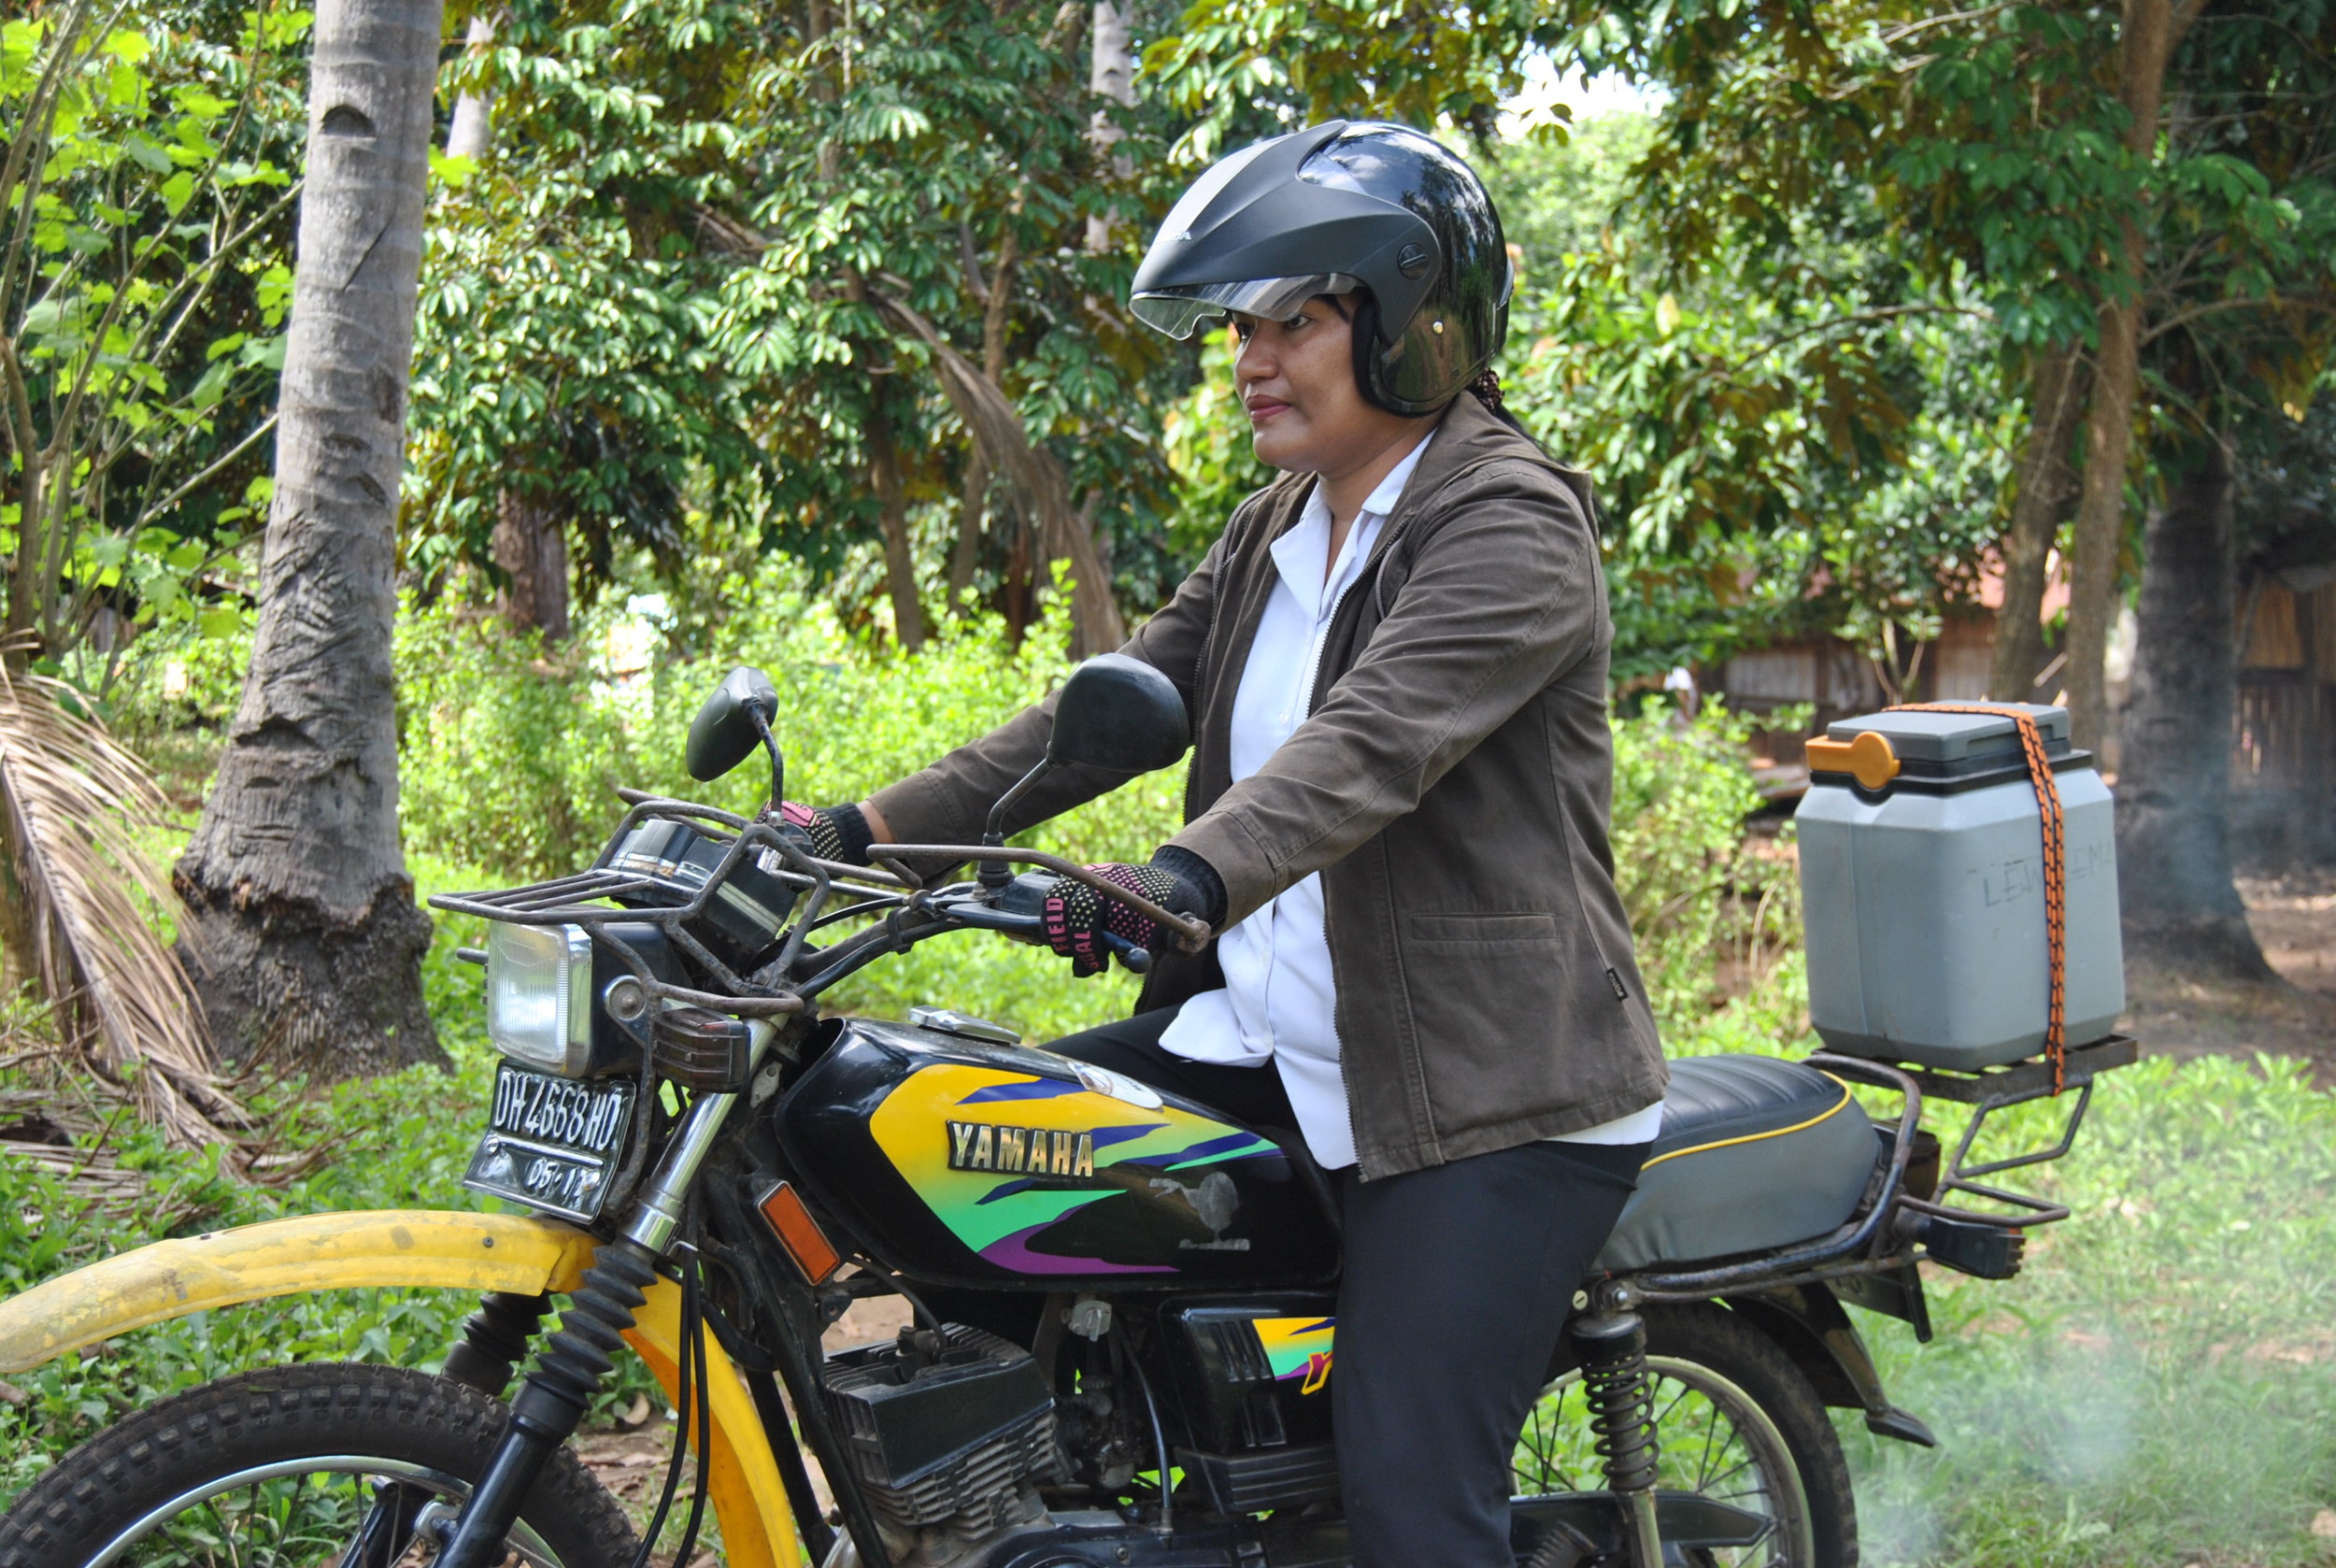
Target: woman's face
[1297,381]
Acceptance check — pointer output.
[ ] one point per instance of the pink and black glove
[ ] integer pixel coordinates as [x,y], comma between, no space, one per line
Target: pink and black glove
[836,832]
[1078,917]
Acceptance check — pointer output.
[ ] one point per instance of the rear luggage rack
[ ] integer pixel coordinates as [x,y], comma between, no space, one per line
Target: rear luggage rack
[1998,1089]
[1894,1228]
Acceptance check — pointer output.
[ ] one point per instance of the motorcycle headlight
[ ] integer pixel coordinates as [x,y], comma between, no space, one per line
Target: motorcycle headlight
[539,996]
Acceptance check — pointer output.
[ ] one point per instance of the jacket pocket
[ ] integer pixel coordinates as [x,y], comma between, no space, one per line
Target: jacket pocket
[1478,932]
[1506,1009]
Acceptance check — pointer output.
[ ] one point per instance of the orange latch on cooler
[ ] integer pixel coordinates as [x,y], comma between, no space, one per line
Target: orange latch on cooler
[1868,759]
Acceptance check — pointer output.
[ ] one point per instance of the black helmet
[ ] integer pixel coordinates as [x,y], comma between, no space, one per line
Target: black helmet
[1330,211]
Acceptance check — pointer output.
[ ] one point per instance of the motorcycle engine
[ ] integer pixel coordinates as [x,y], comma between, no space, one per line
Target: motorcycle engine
[950,1432]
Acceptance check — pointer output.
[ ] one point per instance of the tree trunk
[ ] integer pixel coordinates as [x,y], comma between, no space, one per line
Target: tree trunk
[1111,74]
[973,501]
[472,133]
[2101,521]
[997,297]
[532,547]
[2056,403]
[1018,584]
[2173,794]
[2146,40]
[295,878]
[900,562]
[1095,624]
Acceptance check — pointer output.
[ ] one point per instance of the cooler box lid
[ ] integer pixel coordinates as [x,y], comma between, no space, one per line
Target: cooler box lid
[1937,749]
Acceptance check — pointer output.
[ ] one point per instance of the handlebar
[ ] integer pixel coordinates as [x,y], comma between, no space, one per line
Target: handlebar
[1017,910]
[1191,935]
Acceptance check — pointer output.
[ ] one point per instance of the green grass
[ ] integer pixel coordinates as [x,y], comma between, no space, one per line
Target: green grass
[2160,1385]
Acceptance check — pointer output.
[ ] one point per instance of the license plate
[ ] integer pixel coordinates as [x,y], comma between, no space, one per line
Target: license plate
[552,1144]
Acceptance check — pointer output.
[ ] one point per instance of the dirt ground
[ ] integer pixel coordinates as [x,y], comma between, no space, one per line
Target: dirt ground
[2294,917]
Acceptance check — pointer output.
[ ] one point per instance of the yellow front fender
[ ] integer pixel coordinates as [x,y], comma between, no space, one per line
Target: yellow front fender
[472,1252]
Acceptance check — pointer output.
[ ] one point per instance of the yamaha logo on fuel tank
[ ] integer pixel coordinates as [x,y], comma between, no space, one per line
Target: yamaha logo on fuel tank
[1035,1151]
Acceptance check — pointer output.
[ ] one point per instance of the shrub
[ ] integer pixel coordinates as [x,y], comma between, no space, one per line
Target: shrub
[511,755]
[1700,892]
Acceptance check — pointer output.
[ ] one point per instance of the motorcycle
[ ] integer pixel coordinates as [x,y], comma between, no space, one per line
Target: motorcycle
[1123,1309]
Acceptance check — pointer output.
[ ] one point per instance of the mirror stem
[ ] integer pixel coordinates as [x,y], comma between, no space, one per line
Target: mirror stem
[770,744]
[994,875]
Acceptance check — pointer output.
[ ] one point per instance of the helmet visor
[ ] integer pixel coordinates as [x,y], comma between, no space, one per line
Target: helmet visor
[1180,308]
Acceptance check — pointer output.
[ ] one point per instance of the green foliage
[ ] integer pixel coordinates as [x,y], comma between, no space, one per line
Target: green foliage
[1420,64]
[1566,198]
[1778,450]
[400,1142]
[509,764]
[142,289]
[564,352]
[656,309]
[1699,890]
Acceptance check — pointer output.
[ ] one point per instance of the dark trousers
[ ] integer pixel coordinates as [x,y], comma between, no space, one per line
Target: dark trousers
[1457,1281]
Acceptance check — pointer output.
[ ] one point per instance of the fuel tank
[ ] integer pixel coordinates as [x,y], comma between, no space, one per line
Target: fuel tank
[961,1162]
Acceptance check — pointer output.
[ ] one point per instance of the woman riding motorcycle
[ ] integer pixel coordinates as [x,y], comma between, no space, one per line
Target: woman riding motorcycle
[1395,660]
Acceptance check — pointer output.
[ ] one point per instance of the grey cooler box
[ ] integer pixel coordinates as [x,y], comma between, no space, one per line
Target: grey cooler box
[1923,890]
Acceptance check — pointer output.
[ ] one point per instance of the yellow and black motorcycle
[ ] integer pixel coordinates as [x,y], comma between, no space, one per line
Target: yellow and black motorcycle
[1124,1304]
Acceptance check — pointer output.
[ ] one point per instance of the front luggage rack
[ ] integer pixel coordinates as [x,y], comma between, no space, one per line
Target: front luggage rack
[586,899]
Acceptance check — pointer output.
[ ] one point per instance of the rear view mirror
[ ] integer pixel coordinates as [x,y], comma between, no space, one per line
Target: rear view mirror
[725,731]
[1119,713]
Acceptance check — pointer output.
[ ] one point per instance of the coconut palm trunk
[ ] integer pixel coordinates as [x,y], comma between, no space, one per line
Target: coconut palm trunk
[296,879]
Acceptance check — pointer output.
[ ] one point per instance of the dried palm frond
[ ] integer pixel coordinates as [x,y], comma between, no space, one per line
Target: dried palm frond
[73,804]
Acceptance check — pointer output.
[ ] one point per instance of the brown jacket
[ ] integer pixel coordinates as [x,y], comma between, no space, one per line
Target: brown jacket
[1452,786]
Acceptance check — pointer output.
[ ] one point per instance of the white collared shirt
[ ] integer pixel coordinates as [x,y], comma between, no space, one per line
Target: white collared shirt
[1279,1000]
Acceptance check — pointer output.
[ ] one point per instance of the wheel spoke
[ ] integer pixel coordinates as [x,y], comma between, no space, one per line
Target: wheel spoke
[1703,1464]
[1664,1414]
[1740,1465]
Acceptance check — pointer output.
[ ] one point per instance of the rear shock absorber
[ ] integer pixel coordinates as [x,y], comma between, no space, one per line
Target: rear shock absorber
[554,1398]
[1621,1396]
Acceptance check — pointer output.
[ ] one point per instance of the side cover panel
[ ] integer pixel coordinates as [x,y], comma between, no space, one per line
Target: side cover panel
[1253,1372]
[1006,1166]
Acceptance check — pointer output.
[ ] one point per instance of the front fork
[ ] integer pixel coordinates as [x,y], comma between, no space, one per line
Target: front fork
[553,1398]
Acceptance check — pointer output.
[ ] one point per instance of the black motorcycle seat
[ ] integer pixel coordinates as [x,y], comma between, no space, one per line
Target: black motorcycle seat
[1754,1153]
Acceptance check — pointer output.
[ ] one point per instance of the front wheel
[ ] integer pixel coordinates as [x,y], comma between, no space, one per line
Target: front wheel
[279,1469]
[1734,1420]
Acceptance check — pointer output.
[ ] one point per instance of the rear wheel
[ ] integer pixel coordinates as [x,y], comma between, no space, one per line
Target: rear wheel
[279,1469]
[1735,1422]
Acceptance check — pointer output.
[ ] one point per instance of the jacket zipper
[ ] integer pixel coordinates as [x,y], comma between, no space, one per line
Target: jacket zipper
[1314,671]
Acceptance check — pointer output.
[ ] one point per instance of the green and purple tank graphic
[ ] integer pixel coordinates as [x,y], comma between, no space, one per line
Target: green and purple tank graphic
[1008,1160]
[1299,1348]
